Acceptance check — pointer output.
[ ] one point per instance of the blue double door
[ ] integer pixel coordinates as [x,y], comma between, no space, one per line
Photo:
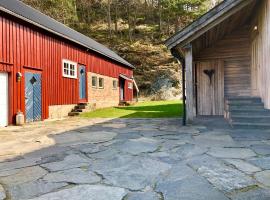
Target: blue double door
[33,100]
[82,83]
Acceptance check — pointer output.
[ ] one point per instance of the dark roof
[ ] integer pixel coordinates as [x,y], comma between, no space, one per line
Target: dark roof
[201,25]
[25,12]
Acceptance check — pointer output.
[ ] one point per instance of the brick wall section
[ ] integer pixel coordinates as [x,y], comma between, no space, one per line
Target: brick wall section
[106,97]
[60,111]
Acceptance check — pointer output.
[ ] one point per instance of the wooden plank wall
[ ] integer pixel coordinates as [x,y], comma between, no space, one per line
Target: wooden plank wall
[237,77]
[234,50]
[25,47]
[261,54]
[210,95]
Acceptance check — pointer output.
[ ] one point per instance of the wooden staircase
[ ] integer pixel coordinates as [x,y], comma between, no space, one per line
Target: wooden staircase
[80,108]
[247,113]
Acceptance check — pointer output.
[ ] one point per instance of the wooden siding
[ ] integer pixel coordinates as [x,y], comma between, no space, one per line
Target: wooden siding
[210,95]
[261,54]
[234,50]
[25,47]
[237,77]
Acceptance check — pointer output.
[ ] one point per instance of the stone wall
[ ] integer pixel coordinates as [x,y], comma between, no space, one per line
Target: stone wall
[60,111]
[103,97]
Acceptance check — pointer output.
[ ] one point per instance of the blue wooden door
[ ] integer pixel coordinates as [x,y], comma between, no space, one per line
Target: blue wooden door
[82,82]
[33,96]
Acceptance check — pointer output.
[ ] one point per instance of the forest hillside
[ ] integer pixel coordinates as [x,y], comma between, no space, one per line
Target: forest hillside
[136,30]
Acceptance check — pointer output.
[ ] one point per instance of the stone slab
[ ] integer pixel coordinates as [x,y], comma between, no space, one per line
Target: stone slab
[262,162]
[221,176]
[24,175]
[262,149]
[132,172]
[29,190]
[214,140]
[191,188]
[243,166]
[76,176]
[257,194]
[89,192]
[143,196]
[73,137]
[69,162]
[138,146]
[241,153]
[263,177]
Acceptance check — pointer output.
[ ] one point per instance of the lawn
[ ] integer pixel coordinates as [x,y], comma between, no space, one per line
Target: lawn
[149,109]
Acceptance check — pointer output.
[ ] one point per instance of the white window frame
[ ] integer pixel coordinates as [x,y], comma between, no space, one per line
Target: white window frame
[65,61]
[116,86]
[130,85]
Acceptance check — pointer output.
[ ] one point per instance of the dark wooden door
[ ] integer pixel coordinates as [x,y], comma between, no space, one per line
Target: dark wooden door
[122,89]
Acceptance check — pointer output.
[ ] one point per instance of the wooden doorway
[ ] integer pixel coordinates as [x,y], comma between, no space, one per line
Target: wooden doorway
[33,96]
[210,87]
[122,89]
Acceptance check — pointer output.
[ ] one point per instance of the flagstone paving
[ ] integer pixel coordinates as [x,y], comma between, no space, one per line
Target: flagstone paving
[140,159]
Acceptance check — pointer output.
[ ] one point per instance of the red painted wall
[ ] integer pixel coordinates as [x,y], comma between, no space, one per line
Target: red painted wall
[25,47]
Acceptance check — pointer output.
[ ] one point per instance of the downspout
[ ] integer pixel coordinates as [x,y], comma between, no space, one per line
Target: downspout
[181,60]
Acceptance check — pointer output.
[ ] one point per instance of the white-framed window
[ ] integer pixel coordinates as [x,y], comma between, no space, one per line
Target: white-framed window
[130,85]
[101,83]
[115,83]
[69,69]
[94,81]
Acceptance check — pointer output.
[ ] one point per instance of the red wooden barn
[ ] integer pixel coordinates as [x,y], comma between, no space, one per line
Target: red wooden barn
[46,68]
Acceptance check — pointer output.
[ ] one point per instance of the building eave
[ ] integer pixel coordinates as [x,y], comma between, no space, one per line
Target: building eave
[206,22]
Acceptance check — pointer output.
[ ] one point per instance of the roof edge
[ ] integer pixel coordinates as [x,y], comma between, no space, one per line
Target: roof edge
[201,25]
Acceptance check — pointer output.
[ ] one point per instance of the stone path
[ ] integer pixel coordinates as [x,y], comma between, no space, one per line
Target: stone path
[142,159]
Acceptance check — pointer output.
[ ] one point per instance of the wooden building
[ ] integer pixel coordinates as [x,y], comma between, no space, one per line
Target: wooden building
[46,68]
[225,56]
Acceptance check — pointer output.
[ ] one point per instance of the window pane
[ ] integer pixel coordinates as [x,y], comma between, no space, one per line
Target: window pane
[114,84]
[69,69]
[101,82]
[94,81]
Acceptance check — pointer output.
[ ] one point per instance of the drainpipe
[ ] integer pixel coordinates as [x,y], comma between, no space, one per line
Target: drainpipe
[181,61]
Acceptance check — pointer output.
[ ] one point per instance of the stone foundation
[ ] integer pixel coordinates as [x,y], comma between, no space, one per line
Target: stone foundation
[103,97]
[60,111]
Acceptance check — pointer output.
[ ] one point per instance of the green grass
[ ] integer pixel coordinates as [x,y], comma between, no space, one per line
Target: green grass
[149,109]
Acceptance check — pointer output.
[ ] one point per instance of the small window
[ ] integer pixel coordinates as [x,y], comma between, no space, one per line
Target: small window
[94,81]
[115,84]
[69,69]
[101,83]
[130,85]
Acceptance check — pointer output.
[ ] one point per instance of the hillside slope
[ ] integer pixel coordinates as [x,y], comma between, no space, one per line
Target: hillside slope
[136,30]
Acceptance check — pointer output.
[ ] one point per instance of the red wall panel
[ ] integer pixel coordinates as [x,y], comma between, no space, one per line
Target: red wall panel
[24,47]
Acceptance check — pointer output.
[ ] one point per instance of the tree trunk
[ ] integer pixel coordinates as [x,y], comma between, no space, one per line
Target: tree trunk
[116,16]
[109,19]
[129,21]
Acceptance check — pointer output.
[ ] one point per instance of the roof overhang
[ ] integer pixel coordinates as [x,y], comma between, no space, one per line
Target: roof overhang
[209,20]
[125,77]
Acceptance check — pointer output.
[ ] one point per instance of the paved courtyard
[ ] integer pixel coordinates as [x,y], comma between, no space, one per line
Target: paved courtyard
[139,159]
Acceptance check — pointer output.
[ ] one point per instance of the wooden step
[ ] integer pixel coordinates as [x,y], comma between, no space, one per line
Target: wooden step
[72,114]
